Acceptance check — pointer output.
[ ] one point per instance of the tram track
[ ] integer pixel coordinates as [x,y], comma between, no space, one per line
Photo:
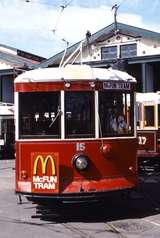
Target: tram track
[121,228]
[115,230]
[151,222]
[77,231]
[84,234]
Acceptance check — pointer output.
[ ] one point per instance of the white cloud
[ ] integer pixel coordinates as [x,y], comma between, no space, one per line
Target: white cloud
[78,20]
[28,26]
[131,19]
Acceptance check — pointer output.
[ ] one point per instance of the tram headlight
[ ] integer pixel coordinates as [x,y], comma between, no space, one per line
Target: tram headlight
[80,162]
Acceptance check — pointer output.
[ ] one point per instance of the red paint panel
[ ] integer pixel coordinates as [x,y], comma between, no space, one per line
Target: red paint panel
[118,164]
[57,86]
[101,185]
[147,144]
[147,140]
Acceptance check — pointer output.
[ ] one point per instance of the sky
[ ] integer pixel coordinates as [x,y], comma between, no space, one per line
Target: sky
[43,27]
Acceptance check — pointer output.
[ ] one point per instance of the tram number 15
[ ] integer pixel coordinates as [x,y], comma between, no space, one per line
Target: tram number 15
[80,146]
[142,140]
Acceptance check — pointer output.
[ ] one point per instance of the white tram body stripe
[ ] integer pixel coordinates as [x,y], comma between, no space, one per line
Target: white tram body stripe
[96,115]
[80,139]
[62,116]
[16,115]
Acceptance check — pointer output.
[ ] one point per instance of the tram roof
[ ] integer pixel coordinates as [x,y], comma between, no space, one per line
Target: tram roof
[148,97]
[71,73]
[6,109]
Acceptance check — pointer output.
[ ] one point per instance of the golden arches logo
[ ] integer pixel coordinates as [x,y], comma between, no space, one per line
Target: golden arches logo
[44,162]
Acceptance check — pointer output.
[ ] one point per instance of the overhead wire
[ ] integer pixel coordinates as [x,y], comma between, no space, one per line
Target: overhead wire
[58,18]
[62,7]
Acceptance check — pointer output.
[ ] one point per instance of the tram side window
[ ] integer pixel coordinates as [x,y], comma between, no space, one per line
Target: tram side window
[149,119]
[79,114]
[116,114]
[39,114]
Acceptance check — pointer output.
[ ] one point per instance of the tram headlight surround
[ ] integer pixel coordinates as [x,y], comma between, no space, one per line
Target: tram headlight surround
[80,162]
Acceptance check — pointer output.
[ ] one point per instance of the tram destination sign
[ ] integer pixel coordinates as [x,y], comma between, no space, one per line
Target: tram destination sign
[117,85]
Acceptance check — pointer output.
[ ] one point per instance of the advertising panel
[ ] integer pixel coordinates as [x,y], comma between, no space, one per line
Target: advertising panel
[45,172]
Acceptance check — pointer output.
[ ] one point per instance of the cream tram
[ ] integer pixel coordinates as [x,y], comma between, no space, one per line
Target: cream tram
[148,125]
[7,135]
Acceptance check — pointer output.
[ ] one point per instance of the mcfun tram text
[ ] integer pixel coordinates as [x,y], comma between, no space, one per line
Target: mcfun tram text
[75,133]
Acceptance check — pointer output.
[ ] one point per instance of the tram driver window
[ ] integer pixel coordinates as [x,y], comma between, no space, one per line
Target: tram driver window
[116,117]
[39,114]
[79,115]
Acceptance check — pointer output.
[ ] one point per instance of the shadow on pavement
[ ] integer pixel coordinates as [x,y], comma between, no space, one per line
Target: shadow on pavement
[142,202]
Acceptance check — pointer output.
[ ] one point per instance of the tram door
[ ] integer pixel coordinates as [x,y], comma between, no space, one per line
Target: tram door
[7,138]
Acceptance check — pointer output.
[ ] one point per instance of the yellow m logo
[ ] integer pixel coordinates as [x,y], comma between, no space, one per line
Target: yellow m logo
[44,163]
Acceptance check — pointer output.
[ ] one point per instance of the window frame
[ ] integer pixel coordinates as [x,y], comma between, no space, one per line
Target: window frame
[32,116]
[92,111]
[127,112]
[127,53]
[154,116]
[103,54]
[62,133]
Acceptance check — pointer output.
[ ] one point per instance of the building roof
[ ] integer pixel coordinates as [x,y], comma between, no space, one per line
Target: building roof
[101,36]
[72,73]
[6,109]
[15,58]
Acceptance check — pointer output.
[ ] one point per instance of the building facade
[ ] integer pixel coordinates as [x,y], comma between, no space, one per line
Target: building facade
[128,48]
[12,62]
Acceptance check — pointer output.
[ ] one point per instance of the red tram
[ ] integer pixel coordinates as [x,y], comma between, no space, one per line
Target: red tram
[75,132]
[148,126]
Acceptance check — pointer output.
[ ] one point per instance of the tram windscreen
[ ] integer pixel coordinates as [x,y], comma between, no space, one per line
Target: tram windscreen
[39,114]
[79,115]
[115,114]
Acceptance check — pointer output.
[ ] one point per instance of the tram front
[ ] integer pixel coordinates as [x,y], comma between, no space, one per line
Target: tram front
[75,132]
